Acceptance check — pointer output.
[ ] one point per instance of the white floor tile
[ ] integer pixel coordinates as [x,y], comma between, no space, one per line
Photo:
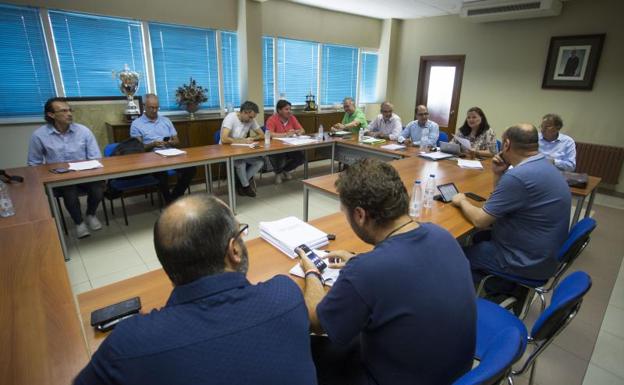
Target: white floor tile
[609,352]
[81,287]
[596,375]
[614,322]
[112,261]
[154,265]
[118,276]
[76,271]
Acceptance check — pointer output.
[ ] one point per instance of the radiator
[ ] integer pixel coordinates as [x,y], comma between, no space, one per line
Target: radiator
[600,160]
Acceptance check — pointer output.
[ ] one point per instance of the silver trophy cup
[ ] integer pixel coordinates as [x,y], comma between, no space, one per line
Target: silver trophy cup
[128,84]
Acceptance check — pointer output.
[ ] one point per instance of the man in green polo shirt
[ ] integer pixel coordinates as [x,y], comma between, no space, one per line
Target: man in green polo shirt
[353,118]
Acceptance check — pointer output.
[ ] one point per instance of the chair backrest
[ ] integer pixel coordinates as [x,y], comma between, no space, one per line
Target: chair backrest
[443,137]
[109,149]
[577,240]
[499,144]
[564,305]
[502,351]
[217,136]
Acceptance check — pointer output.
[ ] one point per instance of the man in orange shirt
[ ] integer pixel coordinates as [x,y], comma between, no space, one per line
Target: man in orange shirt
[284,124]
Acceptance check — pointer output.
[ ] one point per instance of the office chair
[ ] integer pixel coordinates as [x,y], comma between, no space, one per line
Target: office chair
[443,137]
[501,341]
[576,242]
[117,188]
[564,306]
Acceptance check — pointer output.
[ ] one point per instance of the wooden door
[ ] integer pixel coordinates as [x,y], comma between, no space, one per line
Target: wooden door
[439,87]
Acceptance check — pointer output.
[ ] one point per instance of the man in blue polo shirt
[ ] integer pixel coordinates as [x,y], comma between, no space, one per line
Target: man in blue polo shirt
[403,313]
[529,211]
[157,132]
[216,327]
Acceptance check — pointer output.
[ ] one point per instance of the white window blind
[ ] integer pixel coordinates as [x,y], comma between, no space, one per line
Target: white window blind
[297,69]
[267,71]
[339,73]
[229,63]
[368,77]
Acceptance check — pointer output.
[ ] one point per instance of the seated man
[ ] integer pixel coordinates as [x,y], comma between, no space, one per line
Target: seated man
[529,211]
[403,313]
[236,128]
[387,125]
[62,140]
[559,148]
[353,118]
[216,327]
[282,124]
[422,125]
[156,132]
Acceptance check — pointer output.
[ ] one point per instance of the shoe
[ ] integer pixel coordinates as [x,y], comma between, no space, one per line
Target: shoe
[287,175]
[82,230]
[278,178]
[249,191]
[240,191]
[252,183]
[93,223]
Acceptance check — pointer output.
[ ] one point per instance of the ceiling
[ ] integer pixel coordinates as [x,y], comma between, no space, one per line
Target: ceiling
[390,9]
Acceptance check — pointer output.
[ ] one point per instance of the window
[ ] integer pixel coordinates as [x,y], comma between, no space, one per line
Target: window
[180,53]
[90,48]
[368,77]
[26,76]
[297,69]
[267,71]
[339,73]
[229,64]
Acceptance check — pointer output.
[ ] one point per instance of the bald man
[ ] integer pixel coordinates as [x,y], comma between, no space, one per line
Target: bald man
[216,327]
[422,131]
[387,125]
[529,211]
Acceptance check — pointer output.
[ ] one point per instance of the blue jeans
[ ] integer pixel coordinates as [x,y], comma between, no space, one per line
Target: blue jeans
[247,168]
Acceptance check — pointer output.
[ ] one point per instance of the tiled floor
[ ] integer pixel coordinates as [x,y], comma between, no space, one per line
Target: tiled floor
[589,352]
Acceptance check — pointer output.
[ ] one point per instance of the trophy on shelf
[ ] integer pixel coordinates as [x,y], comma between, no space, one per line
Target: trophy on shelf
[310,102]
[128,84]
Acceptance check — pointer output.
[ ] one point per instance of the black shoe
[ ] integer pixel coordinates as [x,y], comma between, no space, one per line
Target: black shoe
[240,190]
[249,191]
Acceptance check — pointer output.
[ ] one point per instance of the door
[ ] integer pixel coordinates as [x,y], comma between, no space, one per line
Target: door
[439,87]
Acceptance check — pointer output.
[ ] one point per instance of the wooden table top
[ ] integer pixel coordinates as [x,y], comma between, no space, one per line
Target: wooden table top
[154,288]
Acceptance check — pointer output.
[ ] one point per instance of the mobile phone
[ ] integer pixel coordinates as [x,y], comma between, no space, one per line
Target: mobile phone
[166,138]
[447,192]
[59,170]
[318,262]
[106,317]
[475,197]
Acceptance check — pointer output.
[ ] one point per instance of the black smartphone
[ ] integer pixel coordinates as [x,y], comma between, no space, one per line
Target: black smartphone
[475,197]
[106,317]
[166,138]
[318,262]
[59,170]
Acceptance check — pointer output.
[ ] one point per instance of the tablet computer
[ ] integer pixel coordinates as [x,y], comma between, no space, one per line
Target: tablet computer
[447,191]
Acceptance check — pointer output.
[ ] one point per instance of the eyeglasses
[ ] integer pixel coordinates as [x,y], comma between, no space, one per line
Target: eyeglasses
[63,110]
[422,114]
[243,229]
[386,112]
[155,108]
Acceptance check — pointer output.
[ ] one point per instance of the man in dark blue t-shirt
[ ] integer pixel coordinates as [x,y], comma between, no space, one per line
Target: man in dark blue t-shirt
[216,327]
[403,313]
[529,211]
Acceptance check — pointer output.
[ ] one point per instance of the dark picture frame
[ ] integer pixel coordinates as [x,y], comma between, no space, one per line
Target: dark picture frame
[572,61]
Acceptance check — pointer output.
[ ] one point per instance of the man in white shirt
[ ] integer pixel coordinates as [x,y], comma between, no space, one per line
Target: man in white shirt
[387,125]
[235,129]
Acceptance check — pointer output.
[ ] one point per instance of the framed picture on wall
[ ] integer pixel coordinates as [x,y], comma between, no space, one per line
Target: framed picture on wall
[573,61]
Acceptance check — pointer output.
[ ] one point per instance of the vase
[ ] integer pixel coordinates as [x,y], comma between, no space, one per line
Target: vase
[191,108]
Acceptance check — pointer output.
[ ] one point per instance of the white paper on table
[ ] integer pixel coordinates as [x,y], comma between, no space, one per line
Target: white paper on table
[250,145]
[294,141]
[342,132]
[288,233]
[170,152]
[435,155]
[473,164]
[86,165]
[329,275]
[393,147]
[464,143]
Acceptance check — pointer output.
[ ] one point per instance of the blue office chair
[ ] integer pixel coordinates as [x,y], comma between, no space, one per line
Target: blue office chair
[564,306]
[443,137]
[501,341]
[576,242]
[117,188]
[498,145]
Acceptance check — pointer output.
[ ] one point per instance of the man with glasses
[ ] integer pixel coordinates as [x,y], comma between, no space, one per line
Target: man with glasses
[62,140]
[414,130]
[558,148]
[387,125]
[216,327]
[156,132]
[353,118]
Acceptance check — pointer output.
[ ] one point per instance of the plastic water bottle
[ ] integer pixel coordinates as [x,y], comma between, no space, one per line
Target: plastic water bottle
[6,204]
[430,188]
[321,133]
[361,135]
[416,201]
[424,138]
[267,138]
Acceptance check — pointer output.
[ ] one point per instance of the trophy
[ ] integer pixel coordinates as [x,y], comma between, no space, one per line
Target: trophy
[128,84]
[310,102]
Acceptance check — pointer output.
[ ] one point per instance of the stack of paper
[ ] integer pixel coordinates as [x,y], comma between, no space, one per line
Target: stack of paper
[294,141]
[86,165]
[435,155]
[288,233]
[372,140]
[170,152]
[329,275]
[342,133]
[473,164]
[464,143]
[393,147]
[250,145]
